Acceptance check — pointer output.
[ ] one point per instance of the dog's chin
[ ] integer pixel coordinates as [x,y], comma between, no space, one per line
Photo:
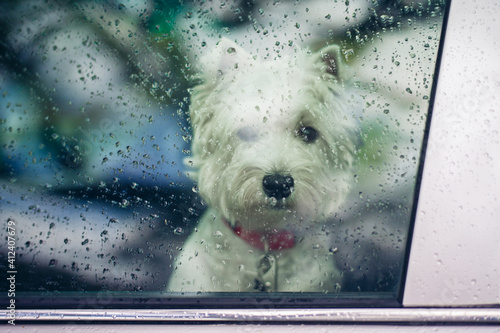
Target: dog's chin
[270,214]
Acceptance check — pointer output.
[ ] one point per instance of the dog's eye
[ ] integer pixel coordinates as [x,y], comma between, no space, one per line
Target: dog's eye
[308,134]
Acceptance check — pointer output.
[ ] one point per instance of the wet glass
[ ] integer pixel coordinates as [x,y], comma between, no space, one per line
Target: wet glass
[101,186]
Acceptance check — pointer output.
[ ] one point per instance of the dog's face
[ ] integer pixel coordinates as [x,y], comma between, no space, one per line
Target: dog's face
[271,140]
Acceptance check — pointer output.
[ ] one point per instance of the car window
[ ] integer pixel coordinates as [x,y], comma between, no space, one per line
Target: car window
[170,151]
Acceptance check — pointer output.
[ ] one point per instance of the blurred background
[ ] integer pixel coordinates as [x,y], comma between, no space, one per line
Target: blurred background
[94,128]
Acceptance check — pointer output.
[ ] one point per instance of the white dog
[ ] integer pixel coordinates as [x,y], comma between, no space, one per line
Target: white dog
[273,147]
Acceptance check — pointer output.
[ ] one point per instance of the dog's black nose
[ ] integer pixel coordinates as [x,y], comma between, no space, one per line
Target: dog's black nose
[277,186]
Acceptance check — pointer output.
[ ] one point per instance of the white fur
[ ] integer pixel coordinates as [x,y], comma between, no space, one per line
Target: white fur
[246,117]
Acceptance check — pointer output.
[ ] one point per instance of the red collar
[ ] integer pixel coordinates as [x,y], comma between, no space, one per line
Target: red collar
[276,239]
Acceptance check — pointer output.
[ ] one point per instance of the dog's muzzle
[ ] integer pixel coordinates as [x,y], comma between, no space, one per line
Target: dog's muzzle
[277,186]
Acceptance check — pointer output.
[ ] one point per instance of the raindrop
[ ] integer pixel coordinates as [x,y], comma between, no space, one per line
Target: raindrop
[386,19]
[334,250]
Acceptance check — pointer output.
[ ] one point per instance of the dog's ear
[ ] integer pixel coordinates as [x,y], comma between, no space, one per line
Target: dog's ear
[331,62]
[227,56]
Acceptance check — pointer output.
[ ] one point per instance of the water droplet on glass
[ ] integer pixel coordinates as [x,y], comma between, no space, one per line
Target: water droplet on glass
[334,250]
[386,19]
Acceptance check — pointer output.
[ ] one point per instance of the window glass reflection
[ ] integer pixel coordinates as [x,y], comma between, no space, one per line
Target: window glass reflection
[292,129]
